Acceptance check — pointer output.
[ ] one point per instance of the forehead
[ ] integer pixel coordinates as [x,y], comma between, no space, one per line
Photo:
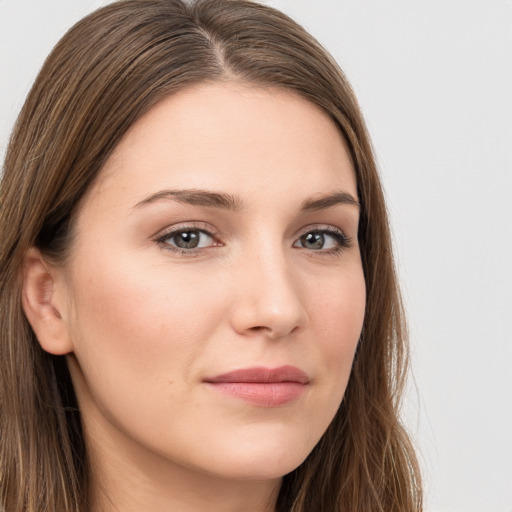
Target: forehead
[236,138]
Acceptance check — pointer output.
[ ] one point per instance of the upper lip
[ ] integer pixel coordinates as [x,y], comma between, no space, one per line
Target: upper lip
[262,374]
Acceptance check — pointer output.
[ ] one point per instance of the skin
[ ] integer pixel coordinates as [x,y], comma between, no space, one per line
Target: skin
[143,323]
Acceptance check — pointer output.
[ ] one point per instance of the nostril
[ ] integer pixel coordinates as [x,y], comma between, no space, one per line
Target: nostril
[270,332]
[259,328]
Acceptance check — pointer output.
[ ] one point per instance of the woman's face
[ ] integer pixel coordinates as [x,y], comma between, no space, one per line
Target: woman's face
[214,291]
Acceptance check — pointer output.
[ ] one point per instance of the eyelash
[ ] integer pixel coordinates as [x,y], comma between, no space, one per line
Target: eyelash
[342,240]
[162,239]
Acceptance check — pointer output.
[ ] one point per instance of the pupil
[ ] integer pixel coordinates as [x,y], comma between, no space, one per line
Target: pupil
[187,239]
[313,241]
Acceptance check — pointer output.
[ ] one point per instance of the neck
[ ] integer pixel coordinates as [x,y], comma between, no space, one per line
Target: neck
[134,491]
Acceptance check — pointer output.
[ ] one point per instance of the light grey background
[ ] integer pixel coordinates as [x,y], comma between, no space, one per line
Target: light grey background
[434,79]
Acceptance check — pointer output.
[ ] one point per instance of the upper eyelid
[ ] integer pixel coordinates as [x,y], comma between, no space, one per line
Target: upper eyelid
[321,227]
[333,232]
[212,231]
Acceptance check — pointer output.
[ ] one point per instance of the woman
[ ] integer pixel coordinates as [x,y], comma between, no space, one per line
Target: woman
[199,305]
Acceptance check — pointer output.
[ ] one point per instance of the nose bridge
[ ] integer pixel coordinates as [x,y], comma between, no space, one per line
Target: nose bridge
[268,298]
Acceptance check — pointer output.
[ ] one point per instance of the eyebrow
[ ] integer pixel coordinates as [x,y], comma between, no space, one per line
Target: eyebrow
[225,201]
[197,198]
[328,201]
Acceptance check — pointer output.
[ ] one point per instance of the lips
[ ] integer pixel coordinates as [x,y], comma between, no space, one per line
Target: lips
[267,387]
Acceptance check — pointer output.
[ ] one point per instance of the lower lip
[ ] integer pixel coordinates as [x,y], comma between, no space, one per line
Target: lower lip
[264,394]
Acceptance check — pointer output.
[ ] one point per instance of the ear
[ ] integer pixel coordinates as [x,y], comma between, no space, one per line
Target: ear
[43,309]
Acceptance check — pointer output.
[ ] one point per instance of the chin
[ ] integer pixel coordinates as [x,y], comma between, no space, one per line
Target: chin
[263,457]
[267,468]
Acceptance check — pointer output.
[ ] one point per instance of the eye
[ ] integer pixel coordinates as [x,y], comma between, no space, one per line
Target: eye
[328,240]
[187,239]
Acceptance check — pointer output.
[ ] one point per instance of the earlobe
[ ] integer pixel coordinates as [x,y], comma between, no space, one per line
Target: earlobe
[41,305]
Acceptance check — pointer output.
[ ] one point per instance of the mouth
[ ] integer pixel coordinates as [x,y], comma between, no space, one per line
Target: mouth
[265,387]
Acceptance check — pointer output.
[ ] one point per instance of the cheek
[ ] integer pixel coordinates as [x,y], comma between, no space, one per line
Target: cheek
[139,307]
[340,302]
[338,315]
[137,332]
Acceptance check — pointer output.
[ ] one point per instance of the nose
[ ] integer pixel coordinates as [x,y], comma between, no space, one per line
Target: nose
[268,301]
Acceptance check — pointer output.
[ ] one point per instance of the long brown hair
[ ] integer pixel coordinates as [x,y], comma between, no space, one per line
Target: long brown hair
[104,74]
